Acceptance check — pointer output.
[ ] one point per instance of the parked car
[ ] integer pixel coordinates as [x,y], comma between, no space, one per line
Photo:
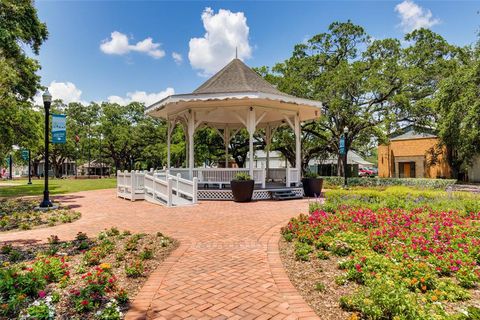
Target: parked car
[366,172]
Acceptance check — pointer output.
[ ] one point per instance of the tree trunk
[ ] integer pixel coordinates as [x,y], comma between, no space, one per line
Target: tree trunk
[339,165]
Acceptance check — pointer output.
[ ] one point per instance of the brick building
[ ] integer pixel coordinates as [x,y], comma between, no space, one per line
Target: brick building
[409,154]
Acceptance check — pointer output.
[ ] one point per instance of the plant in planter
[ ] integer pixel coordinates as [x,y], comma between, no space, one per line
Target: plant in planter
[242,187]
[312,184]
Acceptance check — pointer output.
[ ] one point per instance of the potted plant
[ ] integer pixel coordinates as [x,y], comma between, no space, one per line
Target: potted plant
[312,184]
[242,187]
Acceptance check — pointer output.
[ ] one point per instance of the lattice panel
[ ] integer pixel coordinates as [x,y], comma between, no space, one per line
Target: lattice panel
[298,191]
[215,195]
[227,194]
[261,195]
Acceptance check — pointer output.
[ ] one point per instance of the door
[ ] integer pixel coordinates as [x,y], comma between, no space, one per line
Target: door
[406,170]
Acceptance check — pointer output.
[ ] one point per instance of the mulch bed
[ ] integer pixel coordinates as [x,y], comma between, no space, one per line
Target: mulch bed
[20,214]
[305,275]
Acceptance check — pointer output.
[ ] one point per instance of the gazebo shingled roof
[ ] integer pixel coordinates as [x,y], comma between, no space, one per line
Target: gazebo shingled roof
[237,77]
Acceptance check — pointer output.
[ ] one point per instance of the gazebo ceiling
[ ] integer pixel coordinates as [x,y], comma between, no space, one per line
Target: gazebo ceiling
[226,97]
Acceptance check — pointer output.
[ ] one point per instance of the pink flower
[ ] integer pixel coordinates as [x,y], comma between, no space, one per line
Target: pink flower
[42,294]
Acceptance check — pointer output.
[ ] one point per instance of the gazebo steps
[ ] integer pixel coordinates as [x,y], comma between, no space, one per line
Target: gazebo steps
[286,194]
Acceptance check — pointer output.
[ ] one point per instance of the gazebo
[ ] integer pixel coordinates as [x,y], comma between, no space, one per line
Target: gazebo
[236,97]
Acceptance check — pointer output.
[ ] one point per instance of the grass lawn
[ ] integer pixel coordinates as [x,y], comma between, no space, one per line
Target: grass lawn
[56,186]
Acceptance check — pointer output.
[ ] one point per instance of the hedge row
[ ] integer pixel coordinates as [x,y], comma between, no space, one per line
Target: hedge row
[330,182]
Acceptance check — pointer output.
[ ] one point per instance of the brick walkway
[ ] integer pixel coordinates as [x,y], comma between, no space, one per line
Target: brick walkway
[227,266]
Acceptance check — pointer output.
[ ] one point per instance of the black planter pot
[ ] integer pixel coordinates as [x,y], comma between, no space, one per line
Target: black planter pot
[312,187]
[242,190]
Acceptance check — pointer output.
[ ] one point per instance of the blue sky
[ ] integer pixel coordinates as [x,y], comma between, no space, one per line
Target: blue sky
[77,67]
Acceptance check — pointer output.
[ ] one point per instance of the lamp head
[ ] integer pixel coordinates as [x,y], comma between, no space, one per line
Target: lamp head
[47,97]
[345,130]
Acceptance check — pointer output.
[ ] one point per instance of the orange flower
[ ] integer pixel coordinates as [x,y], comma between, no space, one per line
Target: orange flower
[434,298]
[424,288]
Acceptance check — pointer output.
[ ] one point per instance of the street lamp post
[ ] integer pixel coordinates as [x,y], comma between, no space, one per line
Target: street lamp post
[89,152]
[10,167]
[345,164]
[29,167]
[101,157]
[47,100]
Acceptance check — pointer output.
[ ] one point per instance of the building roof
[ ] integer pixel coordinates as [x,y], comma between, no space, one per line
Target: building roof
[412,132]
[237,77]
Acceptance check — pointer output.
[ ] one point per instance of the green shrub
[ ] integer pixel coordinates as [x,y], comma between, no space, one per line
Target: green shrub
[322,255]
[302,251]
[134,269]
[319,287]
[146,254]
[242,176]
[425,183]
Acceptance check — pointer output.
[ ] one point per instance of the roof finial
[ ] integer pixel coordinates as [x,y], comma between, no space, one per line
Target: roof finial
[236,52]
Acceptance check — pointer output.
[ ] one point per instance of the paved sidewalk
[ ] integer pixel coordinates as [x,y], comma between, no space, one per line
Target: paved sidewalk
[227,266]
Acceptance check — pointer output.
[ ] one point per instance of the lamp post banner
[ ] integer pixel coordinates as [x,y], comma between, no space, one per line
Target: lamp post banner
[59,128]
[25,155]
[342,145]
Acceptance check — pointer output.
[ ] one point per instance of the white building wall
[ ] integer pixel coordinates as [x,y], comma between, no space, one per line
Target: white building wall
[474,170]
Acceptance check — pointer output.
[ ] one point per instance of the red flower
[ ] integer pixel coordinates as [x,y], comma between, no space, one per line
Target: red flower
[84,302]
[358,267]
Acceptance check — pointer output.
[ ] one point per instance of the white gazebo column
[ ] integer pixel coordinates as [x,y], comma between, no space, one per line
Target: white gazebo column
[226,141]
[298,146]
[169,138]
[268,139]
[251,125]
[191,132]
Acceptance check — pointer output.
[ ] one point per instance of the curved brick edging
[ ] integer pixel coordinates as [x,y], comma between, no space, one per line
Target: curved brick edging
[297,305]
[142,302]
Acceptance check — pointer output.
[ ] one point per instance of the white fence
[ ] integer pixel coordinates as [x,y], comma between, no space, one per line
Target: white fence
[220,176]
[156,186]
[130,185]
[292,177]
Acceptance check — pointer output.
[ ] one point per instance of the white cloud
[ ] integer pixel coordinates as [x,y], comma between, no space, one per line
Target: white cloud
[65,91]
[141,96]
[177,57]
[225,31]
[414,17]
[119,44]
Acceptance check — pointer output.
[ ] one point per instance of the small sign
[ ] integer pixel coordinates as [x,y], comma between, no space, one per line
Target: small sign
[25,155]
[342,145]
[59,128]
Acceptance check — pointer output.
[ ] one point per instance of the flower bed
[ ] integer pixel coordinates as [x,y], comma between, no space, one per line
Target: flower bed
[19,214]
[381,263]
[81,279]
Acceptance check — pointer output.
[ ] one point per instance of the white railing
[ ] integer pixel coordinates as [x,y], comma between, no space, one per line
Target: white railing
[218,176]
[277,174]
[157,187]
[293,177]
[130,185]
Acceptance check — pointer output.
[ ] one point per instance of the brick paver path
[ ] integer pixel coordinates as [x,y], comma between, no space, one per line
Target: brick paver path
[227,266]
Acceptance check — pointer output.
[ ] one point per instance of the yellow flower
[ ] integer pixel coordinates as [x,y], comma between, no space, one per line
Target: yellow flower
[6,264]
[354,317]
[105,266]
